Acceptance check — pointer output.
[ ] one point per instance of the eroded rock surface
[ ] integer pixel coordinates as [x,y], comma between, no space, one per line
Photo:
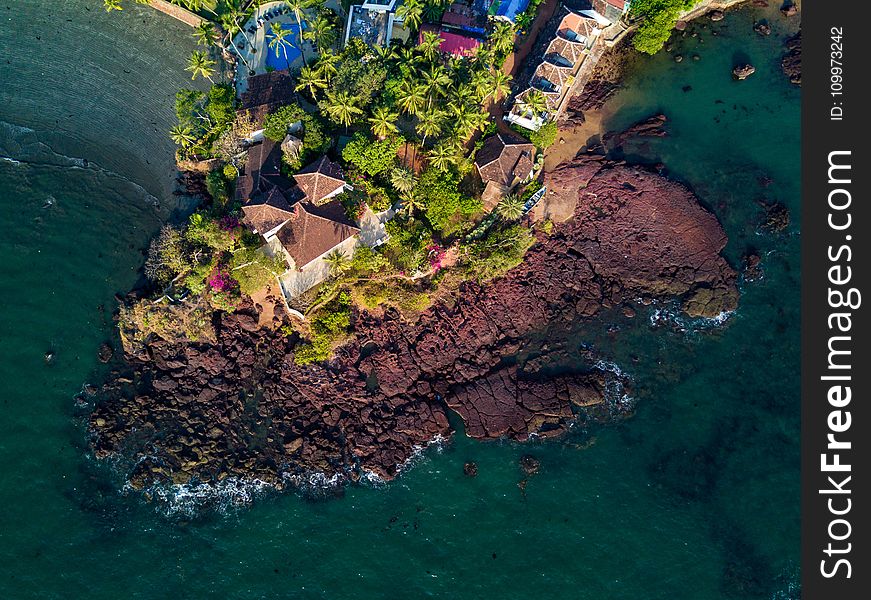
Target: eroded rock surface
[242,407]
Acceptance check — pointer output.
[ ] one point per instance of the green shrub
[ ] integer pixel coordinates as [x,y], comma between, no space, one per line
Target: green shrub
[659,18]
[230,172]
[372,157]
[500,251]
[218,188]
[330,324]
[445,207]
[206,231]
[545,136]
[276,123]
[407,245]
[254,270]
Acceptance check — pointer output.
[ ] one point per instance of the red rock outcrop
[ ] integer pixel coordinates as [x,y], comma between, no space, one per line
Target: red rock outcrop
[243,407]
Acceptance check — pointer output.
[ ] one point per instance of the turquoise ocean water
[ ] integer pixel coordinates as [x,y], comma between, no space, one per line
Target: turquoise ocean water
[695,497]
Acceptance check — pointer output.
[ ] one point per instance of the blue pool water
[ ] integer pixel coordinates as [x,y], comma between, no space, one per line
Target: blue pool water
[287,54]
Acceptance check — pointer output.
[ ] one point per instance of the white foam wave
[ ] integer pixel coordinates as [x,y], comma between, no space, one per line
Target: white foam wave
[670,315]
[417,453]
[191,499]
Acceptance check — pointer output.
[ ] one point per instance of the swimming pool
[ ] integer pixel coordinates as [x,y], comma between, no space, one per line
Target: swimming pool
[288,53]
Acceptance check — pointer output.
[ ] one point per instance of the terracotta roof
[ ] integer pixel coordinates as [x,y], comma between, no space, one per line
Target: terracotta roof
[504,158]
[556,75]
[320,179]
[315,230]
[267,212]
[581,26]
[265,93]
[573,52]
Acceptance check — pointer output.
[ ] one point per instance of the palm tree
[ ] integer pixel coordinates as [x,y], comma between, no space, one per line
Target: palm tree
[411,98]
[230,24]
[483,56]
[500,85]
[408,56]
[281,40]
[403,179]
[502,38]
[182,135]
[312,80]
[411,204]
[442,157]
[298,7]
[321,33]
[340,107]
[411,13]
[201,65]
[337,261]
[510,207]
[434,9]
[383,122]
[327,64]
[430,45]
[205,33]
[111,5]
[430,124]
[434,82]
[385,53]
[534,102]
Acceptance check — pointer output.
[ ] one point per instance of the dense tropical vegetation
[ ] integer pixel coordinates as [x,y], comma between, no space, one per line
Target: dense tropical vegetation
[658,18]
[404,122]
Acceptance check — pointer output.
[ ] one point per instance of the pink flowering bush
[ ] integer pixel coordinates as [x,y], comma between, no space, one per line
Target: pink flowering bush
[225,290]
[229,223]
[435,254]
[220,280]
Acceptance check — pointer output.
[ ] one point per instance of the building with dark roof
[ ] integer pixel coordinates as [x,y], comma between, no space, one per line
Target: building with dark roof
[266,93]
[505,159]
[314,231]
[262,171]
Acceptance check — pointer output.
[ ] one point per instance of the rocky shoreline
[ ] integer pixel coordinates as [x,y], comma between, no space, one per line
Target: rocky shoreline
[242,408]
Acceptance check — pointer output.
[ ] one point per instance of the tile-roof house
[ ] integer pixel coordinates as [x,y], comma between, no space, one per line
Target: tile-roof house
[313,231]
[262,171]
[505,159]
[267,213]
[321,180]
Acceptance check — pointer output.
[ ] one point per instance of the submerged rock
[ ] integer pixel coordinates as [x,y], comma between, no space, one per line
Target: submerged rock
[791,63]
[762,28]
[776,217]
[752,267]
[105,353]
[470,469]
[529,464]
